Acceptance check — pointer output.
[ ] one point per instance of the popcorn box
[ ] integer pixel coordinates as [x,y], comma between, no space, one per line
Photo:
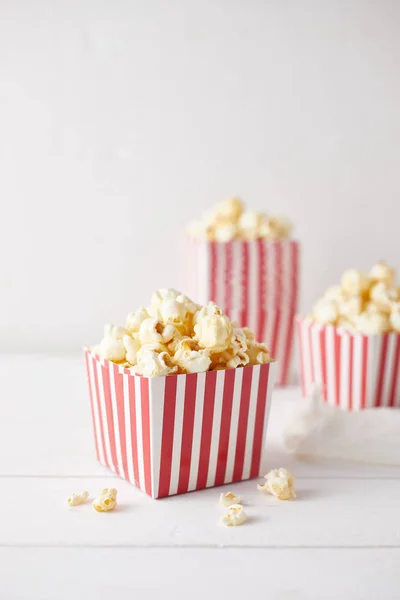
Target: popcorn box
[355,371]
[255,283]
[174,434]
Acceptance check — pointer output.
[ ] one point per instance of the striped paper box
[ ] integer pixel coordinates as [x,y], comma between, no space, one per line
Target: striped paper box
[355,371]
[255,283]
[174,434]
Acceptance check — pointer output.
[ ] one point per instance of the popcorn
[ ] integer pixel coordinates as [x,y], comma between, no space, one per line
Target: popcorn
[180,336]
[353,282]
[112,345]
[212,329]
[382,272]
[364,304]
[383,296]
[235,516]
[228,499]
[258,354]
[279,483]
[77,499]
[395,317]
[151,362]
[370,323]
[135,319]
[151,331]
[229,221]
[132,346]
[106,500]
[190,358]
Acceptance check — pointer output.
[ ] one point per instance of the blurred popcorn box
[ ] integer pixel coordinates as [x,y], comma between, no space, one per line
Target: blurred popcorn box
[255,283]
[171,435]
[355,371]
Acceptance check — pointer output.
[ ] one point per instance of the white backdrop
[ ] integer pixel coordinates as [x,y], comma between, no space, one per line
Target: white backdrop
[121,121]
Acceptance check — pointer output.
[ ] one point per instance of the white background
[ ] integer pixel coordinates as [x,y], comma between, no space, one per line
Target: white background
[121,121]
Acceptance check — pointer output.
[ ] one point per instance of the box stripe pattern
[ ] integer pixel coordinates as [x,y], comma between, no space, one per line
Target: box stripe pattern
[255,283]
[170,435]
[356,371]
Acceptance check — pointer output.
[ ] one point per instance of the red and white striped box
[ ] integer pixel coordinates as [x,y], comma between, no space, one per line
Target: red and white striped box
[355,371]
[255,283]
[174,434]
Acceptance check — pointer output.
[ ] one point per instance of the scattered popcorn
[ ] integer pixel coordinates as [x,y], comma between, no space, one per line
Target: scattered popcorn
[77,499]
[174,335]
[228,499]
[279,483]
[230,221]
[366,304]
[235,516]
[106,500]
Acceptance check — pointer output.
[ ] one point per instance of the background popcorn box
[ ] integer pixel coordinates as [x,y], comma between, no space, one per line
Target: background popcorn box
[255,283]
[355,371]
[174,434]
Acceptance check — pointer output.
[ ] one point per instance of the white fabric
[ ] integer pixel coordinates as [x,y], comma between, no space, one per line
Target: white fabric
[317,429]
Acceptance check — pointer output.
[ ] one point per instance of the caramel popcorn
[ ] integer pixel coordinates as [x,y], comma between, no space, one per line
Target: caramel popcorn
[77,499]
[279,483]
[175,335]
[106,500]
[235,516]
[367,304]
[230,221]
[228,499]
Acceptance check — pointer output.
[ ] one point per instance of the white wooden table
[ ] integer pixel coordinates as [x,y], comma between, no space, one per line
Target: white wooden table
[340,539]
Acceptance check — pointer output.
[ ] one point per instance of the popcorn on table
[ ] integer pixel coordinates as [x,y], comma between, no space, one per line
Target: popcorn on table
[235,516]
[279,483]
[228,499]
[229,220]
[77,499]
[106,500]
[174,335]
[368,304]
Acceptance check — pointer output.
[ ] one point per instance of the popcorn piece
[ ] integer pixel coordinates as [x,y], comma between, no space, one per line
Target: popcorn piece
[77,499]
[382,272]
[132,346]
[258,354]
[325,312]
[383,296]
[160,296]
[249,224]
[112,346]
[229,210]
[370,323]
[235,516]
[228,499]
[213,329]
[191,307]
[151,331]
[353,282]
[106,500]
[153,360]
[190,358]
[395,317]
[279,483]
[135,319]
[172,311]
[226,233]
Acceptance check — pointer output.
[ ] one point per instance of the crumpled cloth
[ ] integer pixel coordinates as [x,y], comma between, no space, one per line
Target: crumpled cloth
[319,430]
